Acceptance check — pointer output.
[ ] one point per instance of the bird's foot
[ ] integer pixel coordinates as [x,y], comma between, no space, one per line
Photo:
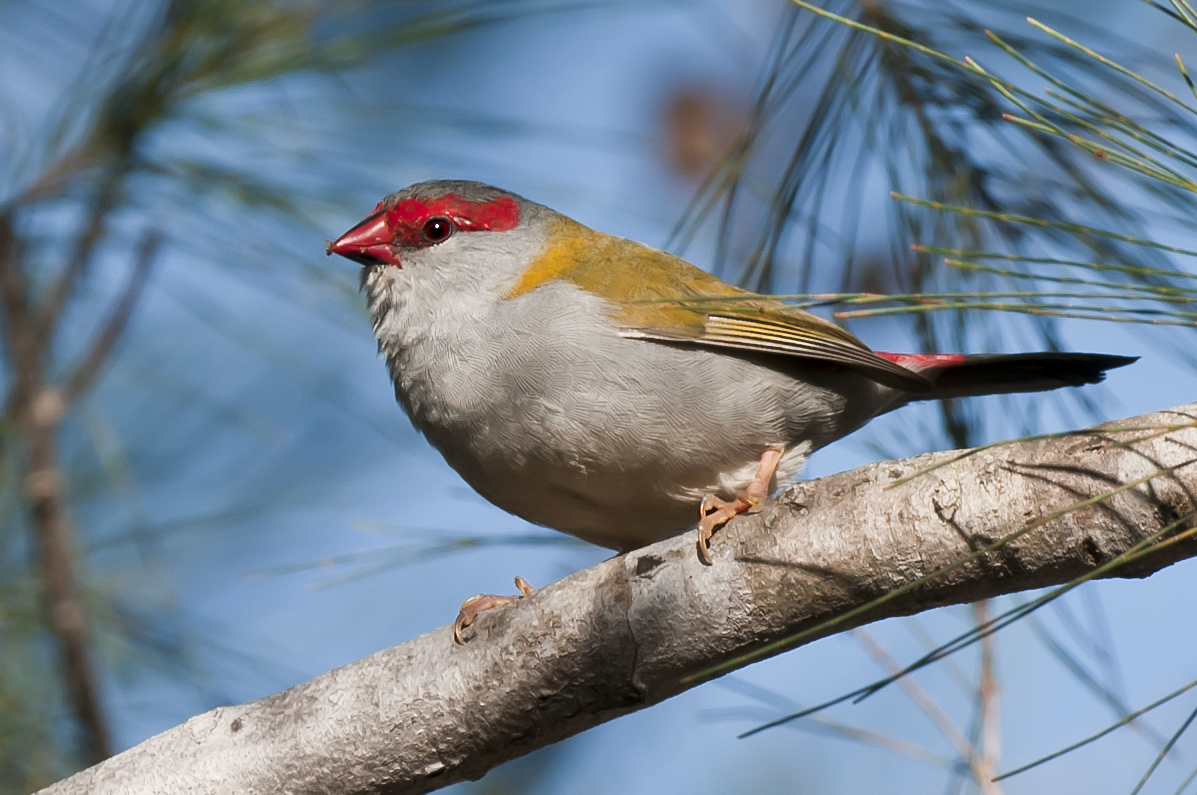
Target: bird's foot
[716,512]
[471,607]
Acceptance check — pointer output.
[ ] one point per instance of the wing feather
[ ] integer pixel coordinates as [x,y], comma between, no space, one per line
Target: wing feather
[670,300]
[790,334]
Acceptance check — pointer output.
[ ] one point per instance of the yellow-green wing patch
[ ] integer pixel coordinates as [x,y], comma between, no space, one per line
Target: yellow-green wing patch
[664,298]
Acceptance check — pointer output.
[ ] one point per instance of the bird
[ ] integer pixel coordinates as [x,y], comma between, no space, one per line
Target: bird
[613,391]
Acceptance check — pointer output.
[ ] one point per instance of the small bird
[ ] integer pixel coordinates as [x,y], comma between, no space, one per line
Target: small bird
[615,392]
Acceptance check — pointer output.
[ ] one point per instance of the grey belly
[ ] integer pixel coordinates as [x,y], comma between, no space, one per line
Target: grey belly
[573,427]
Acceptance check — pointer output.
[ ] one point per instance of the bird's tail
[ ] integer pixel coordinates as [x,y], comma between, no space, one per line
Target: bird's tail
[954,376]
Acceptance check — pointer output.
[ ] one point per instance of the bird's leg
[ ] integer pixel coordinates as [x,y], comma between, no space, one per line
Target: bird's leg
[716,512]
[471,607]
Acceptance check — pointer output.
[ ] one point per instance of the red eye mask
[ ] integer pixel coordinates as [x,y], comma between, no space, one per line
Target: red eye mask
[420,223]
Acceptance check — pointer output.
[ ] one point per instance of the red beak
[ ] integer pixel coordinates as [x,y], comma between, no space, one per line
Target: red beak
[368,243]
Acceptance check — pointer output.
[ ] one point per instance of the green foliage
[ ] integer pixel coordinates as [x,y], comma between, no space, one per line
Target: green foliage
[864,99]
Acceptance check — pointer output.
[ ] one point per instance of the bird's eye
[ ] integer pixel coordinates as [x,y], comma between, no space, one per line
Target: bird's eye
[437,229]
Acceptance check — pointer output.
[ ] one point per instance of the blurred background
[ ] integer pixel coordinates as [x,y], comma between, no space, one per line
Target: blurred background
[209,493]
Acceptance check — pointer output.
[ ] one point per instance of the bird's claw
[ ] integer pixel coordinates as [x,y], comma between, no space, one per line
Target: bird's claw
[715,512]
[471,607]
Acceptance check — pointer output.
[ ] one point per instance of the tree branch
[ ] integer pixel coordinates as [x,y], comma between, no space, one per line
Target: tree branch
[40,407]
[60,579]
[641,627]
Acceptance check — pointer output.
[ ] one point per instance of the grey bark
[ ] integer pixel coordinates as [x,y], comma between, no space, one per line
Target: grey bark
[637,628]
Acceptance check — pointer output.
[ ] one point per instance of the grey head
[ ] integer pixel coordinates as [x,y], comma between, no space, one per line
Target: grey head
[453,242]
[437,259]
[470,190]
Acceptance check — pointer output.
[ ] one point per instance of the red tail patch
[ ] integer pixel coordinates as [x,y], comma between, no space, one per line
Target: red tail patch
[922,361]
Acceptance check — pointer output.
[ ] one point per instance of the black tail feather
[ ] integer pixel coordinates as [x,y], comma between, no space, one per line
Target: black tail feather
[999,374]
